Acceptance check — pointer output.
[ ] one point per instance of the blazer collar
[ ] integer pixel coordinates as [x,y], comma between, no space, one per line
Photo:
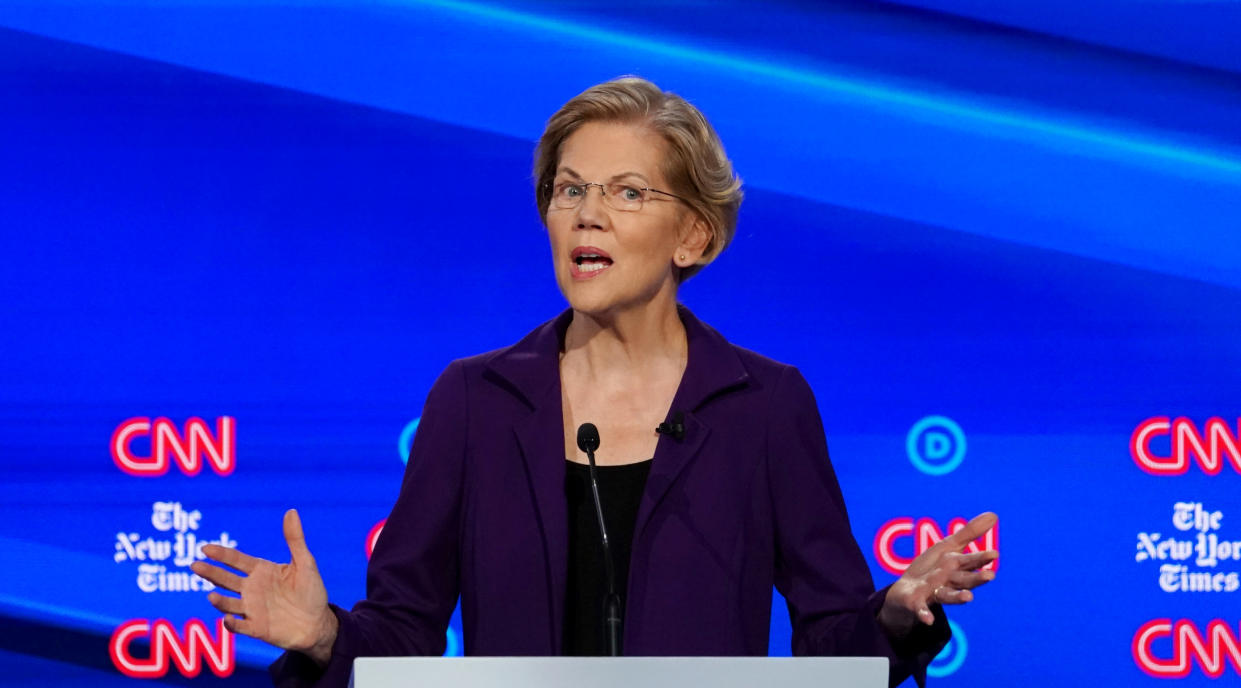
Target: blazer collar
[532,366]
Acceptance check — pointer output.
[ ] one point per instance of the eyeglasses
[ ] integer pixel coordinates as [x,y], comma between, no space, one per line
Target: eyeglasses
[616,195]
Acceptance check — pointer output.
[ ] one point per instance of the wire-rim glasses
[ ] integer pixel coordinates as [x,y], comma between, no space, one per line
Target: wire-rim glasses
[622,196]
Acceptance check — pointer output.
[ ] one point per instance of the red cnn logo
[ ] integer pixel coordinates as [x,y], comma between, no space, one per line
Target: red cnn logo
[1209,650]
[186,650]
[1208,447]
[925,533]
[187,449]
[373,537]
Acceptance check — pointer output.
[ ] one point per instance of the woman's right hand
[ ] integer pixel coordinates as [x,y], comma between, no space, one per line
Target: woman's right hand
[282,604]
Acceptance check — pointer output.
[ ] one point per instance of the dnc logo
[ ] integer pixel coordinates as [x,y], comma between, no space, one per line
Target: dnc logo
[936,445]
[405,443]
[950,659]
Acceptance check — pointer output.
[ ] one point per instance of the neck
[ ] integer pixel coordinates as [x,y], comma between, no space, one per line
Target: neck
[640,339]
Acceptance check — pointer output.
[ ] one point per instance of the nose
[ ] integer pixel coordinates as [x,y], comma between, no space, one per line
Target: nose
[591,212]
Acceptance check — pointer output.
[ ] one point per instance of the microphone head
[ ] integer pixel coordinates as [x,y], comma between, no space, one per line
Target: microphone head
[587,437]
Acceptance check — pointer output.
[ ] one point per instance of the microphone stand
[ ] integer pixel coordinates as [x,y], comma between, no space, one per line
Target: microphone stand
[588,441]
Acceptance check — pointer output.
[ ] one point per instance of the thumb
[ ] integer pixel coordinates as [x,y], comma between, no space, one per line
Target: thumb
[296,539]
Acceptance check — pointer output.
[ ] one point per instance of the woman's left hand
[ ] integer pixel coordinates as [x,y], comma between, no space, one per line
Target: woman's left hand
[943,574]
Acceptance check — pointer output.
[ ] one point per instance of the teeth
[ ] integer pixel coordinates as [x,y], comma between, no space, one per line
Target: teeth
[592,267]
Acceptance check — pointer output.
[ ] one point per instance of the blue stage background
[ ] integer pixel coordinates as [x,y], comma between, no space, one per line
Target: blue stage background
[1024,219]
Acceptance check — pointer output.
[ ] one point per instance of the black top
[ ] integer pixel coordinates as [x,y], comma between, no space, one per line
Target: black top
[620,492]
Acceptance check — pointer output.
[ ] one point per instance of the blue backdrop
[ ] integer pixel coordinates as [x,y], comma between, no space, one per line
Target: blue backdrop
[998,241]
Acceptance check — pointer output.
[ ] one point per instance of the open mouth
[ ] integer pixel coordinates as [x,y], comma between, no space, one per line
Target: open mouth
[588,261]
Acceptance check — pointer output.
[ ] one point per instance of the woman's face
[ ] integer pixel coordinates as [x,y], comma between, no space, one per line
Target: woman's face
[636,250]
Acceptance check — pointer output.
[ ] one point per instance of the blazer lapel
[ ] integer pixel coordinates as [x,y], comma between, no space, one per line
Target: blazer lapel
[541,438]
[712,367]
[671,457]
[531,369]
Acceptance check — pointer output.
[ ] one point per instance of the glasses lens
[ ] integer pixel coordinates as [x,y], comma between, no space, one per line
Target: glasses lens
[625,197]
[567,194]
[616,196]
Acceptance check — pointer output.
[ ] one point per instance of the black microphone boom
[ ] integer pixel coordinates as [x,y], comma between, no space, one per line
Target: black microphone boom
[588,441]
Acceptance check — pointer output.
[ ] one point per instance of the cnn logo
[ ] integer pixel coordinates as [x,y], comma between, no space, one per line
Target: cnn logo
[1209,650]
[925,532]
[187,650]
[1208,447]
[190,449]
[373,537]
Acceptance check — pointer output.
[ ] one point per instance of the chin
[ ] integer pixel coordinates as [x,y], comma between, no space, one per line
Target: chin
[590,304]
[589,298]
[599,298]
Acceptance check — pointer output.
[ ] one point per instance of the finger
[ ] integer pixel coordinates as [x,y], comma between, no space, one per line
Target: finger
[222,578]
[233,557]
[226,604]
[968,580]
[925,615]
[973,530]
[976,560]
[296,539]
[948,595]
[239,625]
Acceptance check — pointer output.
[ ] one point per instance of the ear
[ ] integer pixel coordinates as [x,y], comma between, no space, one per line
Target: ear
[693,243]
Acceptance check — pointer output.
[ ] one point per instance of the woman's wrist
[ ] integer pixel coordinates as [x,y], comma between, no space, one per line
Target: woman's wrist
[321,651]
[895,620]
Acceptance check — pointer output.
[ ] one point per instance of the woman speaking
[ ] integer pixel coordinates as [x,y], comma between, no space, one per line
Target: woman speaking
[711,474]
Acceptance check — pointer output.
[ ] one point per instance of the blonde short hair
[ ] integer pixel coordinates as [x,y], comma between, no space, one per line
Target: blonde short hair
[696,167]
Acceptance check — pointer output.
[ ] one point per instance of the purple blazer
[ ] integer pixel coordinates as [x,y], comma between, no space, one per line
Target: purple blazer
[746,500]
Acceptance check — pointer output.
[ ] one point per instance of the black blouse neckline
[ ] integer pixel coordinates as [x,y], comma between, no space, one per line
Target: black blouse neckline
[620,490]
[586,466]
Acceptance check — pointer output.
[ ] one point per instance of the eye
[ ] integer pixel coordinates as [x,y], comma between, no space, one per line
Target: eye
[630,193]
[568,190]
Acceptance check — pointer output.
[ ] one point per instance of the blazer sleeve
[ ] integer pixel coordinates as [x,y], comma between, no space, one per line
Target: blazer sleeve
[820,569]
[412,579]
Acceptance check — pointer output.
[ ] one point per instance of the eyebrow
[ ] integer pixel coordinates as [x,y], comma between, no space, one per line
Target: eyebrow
[572,172]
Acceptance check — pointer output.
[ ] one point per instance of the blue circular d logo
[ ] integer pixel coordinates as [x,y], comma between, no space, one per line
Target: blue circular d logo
[936,445]
[405,443]
[952,656]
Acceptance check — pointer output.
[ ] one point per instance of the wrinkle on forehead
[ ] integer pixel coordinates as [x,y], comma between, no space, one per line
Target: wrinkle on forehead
[613,149]
[573,173]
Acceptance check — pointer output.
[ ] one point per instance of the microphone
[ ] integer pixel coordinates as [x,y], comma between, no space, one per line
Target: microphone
[675,429]
[588,441]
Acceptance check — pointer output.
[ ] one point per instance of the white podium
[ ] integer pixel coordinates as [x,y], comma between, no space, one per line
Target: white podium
[619,672]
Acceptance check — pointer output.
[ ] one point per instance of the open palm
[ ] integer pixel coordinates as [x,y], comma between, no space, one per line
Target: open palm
[944,573]
[282,604]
